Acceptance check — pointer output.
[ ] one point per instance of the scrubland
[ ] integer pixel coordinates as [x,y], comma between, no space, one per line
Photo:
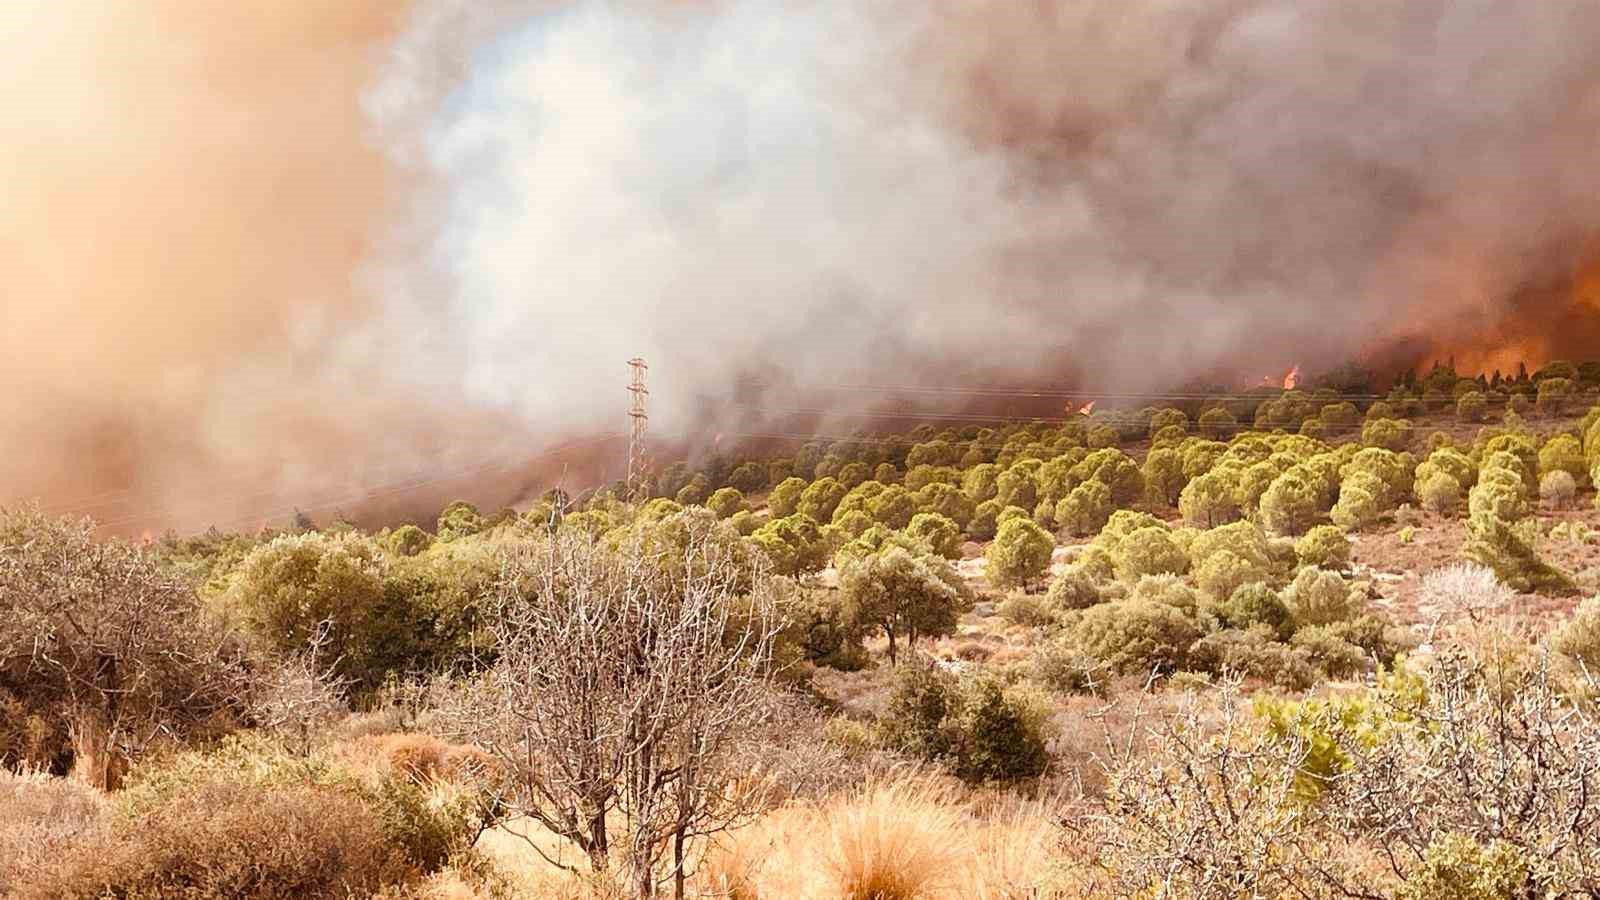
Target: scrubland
[1284,645]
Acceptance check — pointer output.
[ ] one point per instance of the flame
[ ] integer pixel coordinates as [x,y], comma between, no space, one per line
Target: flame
[1086,409]
[1292,379]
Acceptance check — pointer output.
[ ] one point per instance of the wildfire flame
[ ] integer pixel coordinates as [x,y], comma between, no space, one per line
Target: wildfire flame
[1086,409]
[1292,379]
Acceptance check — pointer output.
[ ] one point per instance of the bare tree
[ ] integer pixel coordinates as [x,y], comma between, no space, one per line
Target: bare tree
[96,633]
[300,692]
[627,675]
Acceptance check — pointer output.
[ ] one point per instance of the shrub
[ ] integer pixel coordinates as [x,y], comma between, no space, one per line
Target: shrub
[1330,651]
[939,533]
[820,498]
[1324,547]
[1149,551]
[1163,475]
[794,545]
[785,498]
[1136,636]
[41,819]
[1472,407]
[998,736]
[1029,610]
[1073,589]
[1456,867]
[1558,489]
[920,698]
[226,839]
[1563,453]
[893,507]
[947,501]
[1208,500]
[1114,469]
[1291,502]
[1254,652]
[1555,394]
[1020,553]
[1061,666]
[1254,604]
[983,524]
[1439,493]
[1225,571]
[409,540]
[1016,487]
[725,502]
[1579,636]
[1218,423]
[1360,502]
[1390,434]
[1085,510]
[1320,597]
[748,477]
[981,482]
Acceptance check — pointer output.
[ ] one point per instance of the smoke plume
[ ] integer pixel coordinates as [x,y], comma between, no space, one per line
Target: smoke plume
[346,243]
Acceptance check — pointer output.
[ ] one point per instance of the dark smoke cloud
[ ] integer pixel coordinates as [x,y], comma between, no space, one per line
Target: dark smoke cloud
[329,245]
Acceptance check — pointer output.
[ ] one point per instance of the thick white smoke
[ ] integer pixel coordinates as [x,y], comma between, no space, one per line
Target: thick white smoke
[1130,194]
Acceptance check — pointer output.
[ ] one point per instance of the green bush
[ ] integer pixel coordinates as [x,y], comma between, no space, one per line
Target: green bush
[1579,636]
[1218,423]
[1028,610]
[999,736]
[947,501]
[1020,553]
[749,477]
[1085,510]
[1149,551]
[1331,652]
[1254,652]
[1292,502]
[820,499]
[409,540]
[726,502]
[785,498]
[793,545]
[937,532]
[1320,597]
[1073,589]
[981,482]
[1563,453]
[1390,434]
[1251,605]
[1324,547]
[1558,489]
[1439,493]
[1164,477]
[983,524]
[1456,867]
[1061,666]
[1472,407]
[1223,572]
[920,699]
[1361,502]
[1136,636]
[1208,500]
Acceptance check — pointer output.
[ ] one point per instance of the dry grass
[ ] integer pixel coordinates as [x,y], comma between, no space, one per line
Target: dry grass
[40,818]
[419,758]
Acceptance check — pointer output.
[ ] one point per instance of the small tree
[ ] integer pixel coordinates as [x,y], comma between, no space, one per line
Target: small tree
[1208,500]
[1291,503]
[1020,553]
[939,534]
[1085,509]
[626,681]
[1163,475]
[725,502]
[785,498]
[460,519]
[906,595]
[95,637]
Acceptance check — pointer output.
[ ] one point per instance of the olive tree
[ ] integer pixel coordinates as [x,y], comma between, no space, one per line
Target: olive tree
[907,595]
[101,643]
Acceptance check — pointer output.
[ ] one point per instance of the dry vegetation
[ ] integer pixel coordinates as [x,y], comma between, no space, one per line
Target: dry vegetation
[1277,646]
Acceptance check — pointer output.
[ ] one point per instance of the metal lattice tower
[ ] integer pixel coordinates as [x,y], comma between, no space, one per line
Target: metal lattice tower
[639,418]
